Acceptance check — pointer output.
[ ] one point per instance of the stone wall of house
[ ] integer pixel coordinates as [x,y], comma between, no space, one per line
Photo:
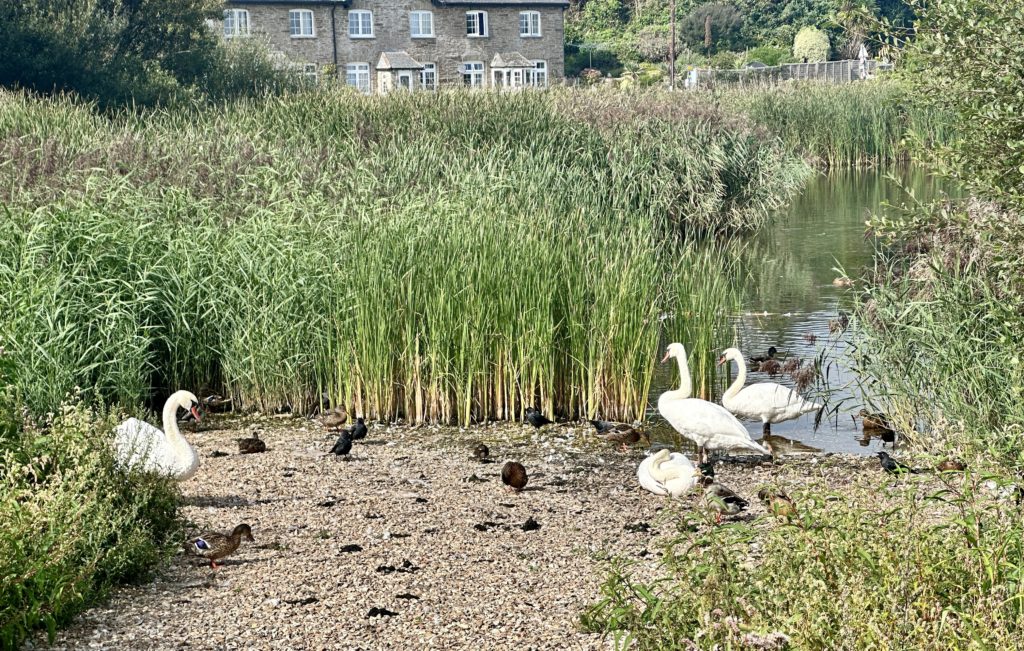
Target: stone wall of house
[448,49]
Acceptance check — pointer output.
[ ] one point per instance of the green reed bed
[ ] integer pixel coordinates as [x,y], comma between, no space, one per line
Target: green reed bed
[450,257]
[844,125]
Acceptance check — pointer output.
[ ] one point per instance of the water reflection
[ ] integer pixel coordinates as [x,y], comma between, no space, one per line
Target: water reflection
[791,297]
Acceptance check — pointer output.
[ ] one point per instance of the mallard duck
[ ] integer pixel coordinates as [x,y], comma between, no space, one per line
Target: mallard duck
[840,324]
[252,444]
[876,422]
[810,338]
[620,433]
[951,465]
[513,475]
[792,364]
[334,418]
[481,452]
[215,546]
[778,503]
[535,418]
[216,403]
[842,281]
[757,359]
[771,367]
[723,501]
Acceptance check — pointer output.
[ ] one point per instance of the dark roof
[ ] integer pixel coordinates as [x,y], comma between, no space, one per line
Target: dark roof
[510,60]
[501,3]
[339,3]
[398,61]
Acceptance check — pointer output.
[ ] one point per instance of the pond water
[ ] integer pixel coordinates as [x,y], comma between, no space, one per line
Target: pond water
[791,299]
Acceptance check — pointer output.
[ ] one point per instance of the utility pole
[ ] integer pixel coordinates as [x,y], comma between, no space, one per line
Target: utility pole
[672,48]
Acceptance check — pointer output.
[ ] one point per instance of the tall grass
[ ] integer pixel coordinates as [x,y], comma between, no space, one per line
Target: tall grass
[844,125]
[451,257]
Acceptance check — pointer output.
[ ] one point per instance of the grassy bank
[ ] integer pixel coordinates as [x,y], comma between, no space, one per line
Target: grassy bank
[433,257]
[844,125]
[73,525]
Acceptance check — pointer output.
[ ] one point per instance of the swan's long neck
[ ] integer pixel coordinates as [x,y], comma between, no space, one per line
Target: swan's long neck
[685,389]
[741,379]
[171,431]
[655,469]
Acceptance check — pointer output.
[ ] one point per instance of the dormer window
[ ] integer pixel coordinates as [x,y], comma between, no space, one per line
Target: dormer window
[476,24]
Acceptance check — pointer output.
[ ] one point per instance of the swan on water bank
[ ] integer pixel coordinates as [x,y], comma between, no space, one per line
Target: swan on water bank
[768,402]
[709,426]
[137,444]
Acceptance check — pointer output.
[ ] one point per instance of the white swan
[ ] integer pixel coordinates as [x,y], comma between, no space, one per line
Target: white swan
[668,474]
[708,425]
[768,402]
[139,444]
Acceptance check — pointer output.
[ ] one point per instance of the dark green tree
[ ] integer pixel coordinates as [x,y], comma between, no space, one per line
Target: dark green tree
[726,27]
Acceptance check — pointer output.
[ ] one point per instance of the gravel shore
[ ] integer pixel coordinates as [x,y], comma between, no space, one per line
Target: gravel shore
[411,544]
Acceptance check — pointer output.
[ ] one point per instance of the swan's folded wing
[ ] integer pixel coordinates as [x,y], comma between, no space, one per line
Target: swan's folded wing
[135,440]
[772,398]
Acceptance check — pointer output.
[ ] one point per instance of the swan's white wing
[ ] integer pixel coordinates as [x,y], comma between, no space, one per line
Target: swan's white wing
[136,441]
[707,424]
[769,401]
[684,474]
[643,473]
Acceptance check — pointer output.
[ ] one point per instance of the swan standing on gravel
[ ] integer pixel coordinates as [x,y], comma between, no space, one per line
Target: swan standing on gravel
[708,425]
[139,444]
[668,474]
[768,402]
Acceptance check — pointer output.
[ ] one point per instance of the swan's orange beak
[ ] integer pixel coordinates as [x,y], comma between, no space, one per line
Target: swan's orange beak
[721,360]
[195,413]
[665,358]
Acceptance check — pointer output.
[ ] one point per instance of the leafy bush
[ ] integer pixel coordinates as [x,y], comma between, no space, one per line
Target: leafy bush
[577,60]
[810,45]
[74,526]
[768,55]
[871,566]
[723,61]
[726,27]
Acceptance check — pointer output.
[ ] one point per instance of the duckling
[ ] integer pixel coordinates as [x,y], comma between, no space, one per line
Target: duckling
[840,324]
[537,419]
[252,444]
[842,281]
[876,422]
[481,452]
[770,366]
[778,503]
[810,338]
[723,501]
[513,475]
[792,364]
[334,418]
[951,465]
[215,546]
[757,359]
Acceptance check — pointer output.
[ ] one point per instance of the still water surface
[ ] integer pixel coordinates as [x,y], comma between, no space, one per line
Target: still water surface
[791,298]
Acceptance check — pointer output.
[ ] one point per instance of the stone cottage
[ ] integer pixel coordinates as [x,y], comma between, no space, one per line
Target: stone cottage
[383,45]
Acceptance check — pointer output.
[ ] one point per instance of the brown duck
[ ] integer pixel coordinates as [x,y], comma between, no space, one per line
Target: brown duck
[215,546]
[252,444]
[513,475]
[620,433]
[778,503]
[334,418]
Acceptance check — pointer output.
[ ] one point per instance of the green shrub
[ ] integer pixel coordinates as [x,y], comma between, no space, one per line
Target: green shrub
[768,55]
[872,566]
[726,27]
[74,526]
[810,45]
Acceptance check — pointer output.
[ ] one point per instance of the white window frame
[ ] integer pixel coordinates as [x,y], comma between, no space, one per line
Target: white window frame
[537,76]
[309,72]
[428,76]
[360,72]
[416,23]
[295,19]
[362,17]
[479,21]
[529,24]
[473,74]
[233,26]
